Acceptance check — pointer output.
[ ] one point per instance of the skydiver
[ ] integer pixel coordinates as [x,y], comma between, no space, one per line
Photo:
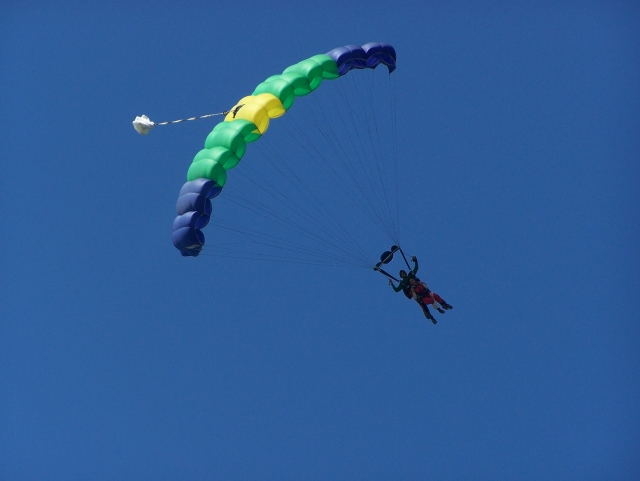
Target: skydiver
[422,291]
[424,296]
[404,279]
[405,285]
[419,297]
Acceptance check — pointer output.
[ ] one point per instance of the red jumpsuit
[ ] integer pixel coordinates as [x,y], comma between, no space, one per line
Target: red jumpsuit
[425,295]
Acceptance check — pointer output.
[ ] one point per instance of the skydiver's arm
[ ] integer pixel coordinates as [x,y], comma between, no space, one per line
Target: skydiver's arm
[415,264]
[397,289]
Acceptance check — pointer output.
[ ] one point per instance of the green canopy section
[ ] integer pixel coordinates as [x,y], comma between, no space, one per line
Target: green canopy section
[227,143]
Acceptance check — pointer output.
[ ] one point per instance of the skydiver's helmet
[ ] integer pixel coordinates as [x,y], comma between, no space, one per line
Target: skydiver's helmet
[403,274]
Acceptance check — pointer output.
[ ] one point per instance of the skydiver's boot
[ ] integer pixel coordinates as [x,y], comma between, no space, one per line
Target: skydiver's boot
[446,306]
[427,314]
[441,311]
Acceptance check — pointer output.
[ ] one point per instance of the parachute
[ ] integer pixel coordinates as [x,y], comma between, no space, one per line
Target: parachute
[248,120]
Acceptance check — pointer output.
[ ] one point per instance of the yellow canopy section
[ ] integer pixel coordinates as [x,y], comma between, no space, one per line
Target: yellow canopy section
[257,109]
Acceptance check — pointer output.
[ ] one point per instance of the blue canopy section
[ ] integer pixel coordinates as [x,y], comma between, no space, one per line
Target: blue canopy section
[193,209]
[369,55]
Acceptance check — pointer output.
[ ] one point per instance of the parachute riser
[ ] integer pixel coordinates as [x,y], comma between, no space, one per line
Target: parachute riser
[403,256]
[385,259]
[384,273]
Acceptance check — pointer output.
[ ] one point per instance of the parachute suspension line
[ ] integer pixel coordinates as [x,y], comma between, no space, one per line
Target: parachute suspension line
[323,127]
[294,208]
[353,250]
[395,209]
[366,115]
[319,156]
[379,154]
[283,245]
[331,135]
[395,147]
[284,221]
[384,165]
[337,178]
[384,218]
[363,165]
[306,192]
[347,160]
[257,237]
[340,153]
[303,256]
[380,189]
[284,260]
[261,209]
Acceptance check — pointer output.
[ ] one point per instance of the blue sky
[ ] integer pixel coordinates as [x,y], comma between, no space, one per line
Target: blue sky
[518,140]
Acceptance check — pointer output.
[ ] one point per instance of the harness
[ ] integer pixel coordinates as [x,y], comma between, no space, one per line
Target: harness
[406,289]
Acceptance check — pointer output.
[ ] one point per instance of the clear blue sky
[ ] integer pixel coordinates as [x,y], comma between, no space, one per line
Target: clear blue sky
[519,141]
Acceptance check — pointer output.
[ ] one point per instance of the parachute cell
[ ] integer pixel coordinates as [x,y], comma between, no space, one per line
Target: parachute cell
[192,219]
[201,186]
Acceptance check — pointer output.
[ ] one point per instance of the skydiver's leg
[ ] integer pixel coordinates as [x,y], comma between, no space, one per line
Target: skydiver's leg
[426,312]
[441,301]
[437,305]
[421,304]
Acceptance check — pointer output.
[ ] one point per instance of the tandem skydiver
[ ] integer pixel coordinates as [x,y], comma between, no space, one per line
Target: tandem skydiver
[413,288]
[404,279]
[425,296]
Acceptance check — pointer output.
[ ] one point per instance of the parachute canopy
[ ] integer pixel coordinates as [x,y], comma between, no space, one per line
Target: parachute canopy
[247,121]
